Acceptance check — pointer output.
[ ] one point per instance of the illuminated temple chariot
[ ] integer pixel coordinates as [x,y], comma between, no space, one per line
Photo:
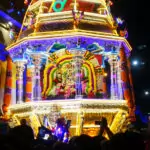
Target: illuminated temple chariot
[69,60]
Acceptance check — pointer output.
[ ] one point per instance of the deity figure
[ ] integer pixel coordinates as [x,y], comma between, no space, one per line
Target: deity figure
[57,88]
[69,81]
[84,81]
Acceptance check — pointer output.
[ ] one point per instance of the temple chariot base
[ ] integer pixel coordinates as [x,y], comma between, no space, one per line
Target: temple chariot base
[82,113]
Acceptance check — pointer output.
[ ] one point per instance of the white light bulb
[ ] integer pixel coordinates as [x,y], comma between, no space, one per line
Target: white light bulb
[146,92]
[135,62]
[10,23]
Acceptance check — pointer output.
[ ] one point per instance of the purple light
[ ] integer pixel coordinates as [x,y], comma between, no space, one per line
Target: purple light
[10,10]
[19,82]
[36,77]
[104,42]
[59,130]
[114,76]
[78,74]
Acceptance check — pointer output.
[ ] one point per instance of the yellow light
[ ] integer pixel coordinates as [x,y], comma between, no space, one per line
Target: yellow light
[68,106]
[113,110]
[105,74]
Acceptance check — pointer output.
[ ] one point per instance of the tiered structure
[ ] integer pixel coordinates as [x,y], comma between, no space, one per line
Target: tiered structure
[70,61]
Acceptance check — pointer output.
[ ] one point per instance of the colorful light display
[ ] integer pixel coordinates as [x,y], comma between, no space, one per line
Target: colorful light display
[76,66]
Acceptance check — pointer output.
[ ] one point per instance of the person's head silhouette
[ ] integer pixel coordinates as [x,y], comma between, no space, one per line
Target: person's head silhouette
[23,122]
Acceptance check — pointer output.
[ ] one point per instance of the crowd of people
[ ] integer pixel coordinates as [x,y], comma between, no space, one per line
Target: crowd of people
[22,138]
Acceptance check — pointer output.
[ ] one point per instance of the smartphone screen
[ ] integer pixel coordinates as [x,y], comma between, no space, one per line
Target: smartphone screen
[46,136]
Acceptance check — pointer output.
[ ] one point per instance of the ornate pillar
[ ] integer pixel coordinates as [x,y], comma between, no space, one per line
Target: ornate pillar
[3,71]
[36,96]
[78,64]
[127,84]
[104,86]
[113,72]
[20,66]
[120,89]
[8,86]
[29,83]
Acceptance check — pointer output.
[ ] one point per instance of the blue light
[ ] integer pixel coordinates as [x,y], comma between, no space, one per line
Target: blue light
[23,10]
[11,4]
[10,10]
[18,12]
[7,17]
[3,53]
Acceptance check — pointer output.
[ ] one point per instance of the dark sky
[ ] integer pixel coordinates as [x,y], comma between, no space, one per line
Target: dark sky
[136,15]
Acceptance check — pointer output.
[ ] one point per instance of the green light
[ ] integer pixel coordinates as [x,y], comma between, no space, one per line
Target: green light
[61,3]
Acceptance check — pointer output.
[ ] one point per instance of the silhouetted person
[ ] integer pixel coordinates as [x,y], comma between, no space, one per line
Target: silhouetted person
[26,130]
[22,136]
[104,127]
[125,141]
[83,142]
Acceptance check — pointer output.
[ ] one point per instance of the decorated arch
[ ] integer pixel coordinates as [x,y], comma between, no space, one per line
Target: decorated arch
[62,71]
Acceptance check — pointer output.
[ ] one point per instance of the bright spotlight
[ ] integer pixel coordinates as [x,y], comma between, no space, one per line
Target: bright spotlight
[135,63]
[146,92]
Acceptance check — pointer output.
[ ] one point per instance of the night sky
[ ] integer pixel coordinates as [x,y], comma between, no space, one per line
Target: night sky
[136,15]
